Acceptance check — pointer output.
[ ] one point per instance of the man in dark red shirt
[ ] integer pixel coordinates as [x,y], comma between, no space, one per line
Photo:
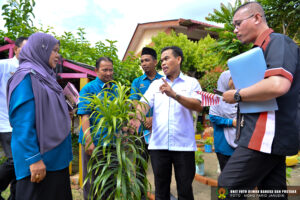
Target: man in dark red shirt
[265,138]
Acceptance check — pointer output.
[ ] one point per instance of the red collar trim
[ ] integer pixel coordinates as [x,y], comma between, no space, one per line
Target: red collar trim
[261,39]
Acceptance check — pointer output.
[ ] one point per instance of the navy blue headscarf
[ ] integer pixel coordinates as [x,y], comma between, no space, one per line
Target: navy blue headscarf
[51,111]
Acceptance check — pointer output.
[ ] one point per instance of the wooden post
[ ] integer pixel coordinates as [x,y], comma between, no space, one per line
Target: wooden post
[83,82]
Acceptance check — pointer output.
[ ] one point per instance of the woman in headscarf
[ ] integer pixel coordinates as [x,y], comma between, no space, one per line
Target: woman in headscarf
[223,116]
[41,140]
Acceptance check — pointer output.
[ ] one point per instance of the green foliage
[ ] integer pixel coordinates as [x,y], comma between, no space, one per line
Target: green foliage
[209,81]
[207,59]
[199,157]
[128,70]
[199,127]
[283,16]
[209,141]
[227,45]
[198,57]
[79,49]
[188,47]
[18,18]
[117,153]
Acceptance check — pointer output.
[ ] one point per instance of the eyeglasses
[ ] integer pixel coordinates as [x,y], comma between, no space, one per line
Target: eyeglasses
[237,23]
[107,70]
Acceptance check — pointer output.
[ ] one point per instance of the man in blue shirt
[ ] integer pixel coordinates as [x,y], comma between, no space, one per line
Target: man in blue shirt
[7,69]
[104,70]
[140,85]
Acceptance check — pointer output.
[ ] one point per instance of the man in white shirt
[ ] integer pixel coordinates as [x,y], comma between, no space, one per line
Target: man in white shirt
[7,69]
[173,99]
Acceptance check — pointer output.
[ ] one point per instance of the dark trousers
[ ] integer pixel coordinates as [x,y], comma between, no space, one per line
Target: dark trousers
[55,186]
[247,169]
[184,167]
[87,185]
[223,159]
[7,171]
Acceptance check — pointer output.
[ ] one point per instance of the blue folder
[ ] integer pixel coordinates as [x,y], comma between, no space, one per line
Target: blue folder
[247,69]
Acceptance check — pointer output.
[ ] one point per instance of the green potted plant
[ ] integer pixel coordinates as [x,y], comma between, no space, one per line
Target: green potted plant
[208,144]
[120,151]
[199,161]
[199,130]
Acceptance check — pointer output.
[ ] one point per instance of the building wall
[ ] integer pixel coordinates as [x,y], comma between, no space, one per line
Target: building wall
[146,39]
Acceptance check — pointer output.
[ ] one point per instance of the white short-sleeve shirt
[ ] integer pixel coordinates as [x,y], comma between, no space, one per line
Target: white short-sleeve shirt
[172,123]
[7,69]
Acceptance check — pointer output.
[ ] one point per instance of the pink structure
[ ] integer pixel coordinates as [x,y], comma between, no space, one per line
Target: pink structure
[79,70]
[9,47]
[82,72]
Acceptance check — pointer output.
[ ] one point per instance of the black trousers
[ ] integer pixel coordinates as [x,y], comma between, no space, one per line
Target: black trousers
[55,186]
[7,171]
[223,159]
[247,169]
[184,167]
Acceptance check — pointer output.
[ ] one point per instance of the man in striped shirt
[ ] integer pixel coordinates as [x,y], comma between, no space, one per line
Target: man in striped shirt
[265,138]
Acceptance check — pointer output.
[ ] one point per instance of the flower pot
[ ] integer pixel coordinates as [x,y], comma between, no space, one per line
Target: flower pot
[200,169]
[208,148]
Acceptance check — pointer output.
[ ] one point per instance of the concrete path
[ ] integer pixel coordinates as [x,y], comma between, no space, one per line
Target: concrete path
[201,191]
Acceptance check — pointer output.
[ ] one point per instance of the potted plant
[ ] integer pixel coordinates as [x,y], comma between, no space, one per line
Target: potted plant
[199,161]
[118,152]
[208,144]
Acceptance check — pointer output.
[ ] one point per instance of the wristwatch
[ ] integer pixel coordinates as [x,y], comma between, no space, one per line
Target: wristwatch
[237,97]
[177,96]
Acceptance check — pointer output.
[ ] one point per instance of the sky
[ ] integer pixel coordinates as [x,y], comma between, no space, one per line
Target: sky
[115,19]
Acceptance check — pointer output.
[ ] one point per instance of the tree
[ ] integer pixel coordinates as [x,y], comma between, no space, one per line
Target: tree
[209,81]
[188,47]
[198,56]
[227,44]
[77,48]
[18,15]
[283,16]
[18,18]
